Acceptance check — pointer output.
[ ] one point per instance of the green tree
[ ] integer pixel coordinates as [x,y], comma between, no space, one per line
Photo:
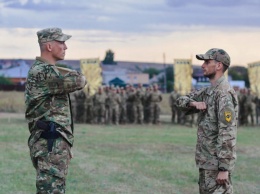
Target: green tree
[239,73]
[169,79]
[5,81]
[151,71]
[109,58]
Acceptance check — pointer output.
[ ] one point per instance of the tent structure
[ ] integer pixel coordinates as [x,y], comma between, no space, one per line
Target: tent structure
[117,82]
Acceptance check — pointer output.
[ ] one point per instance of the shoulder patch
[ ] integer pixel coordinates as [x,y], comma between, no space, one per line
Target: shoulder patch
[227,115]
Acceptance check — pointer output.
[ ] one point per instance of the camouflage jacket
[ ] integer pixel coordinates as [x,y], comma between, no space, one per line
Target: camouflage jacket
[155,97]
[217,125]
[113,100]
[99,99]
[138,98]
[172,98]
[47,98]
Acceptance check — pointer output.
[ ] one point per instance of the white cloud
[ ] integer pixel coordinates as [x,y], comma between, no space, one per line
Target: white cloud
[242,44]
[23,2]
[36,1]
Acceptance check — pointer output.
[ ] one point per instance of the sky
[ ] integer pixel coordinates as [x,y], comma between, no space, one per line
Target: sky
[135,30]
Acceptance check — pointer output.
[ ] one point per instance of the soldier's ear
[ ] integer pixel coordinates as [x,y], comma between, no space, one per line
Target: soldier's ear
[49,46]
[219,66]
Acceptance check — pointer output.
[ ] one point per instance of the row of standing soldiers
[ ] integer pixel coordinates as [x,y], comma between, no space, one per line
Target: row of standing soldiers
[178,116]
[113,105]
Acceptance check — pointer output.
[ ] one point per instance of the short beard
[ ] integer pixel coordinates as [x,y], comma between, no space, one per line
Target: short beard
[210,76]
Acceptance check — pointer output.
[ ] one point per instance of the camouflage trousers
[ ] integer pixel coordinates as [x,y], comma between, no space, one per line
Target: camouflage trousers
[154,111]
[208,184]
[138,113]
[113,115]
[51,167]
[100,113]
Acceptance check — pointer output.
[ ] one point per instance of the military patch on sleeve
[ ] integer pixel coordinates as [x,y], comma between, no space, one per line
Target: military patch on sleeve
[227,115]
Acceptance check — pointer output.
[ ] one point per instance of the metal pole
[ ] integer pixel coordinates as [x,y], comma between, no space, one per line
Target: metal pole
[165,78]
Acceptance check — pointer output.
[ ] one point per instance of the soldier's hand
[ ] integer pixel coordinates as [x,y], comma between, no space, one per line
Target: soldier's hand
[222,177]
[198,105]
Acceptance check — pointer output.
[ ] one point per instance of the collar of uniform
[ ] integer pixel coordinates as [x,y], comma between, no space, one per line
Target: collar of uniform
[212,88]
[43,60]
[221,79]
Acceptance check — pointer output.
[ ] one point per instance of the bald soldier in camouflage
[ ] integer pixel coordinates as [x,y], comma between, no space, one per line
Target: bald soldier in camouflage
[217,124]
[48,112]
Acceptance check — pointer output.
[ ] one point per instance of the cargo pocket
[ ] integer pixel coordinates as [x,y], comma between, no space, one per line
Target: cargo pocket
[49,168]
[207,181]
[57,161]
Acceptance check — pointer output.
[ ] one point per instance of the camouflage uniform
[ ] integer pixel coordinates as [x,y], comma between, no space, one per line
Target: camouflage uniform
[146,104]
[73,104]
[99,104]
[107,105]
[89,108]
[129,104]
[172,101]
[155,98]
[114,101]
[47,101]
[123,115]
[138,105]
[257,102]
[242,108]
[80,98]
[217,128]
[250,108]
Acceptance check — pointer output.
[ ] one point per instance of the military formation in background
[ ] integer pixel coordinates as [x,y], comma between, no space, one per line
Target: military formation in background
[139,105]
[179,117]
[249,107]
[118,105]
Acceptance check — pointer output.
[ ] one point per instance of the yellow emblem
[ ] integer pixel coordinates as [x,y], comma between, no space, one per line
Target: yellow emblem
[228,116]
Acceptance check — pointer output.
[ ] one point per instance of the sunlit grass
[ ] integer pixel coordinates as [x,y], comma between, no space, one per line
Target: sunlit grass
[125,159]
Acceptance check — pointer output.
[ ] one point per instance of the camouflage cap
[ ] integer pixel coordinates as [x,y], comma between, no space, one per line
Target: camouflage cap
[50,34]
[216,54]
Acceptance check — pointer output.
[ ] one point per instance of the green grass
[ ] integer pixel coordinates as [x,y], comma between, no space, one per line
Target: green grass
[125,159]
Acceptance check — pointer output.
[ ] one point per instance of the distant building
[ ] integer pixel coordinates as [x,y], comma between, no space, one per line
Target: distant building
[114,74]
[138,78]
[18,73]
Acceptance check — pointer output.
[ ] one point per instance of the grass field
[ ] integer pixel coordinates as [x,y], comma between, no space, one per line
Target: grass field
[128,159]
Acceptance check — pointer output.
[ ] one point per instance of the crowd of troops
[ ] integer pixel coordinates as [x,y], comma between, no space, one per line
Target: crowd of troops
[139,105]
[118,105]
[249,107]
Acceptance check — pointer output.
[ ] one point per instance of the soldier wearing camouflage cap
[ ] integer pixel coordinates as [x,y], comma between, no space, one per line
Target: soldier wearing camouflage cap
[48,111]
[51,34]
[217,106]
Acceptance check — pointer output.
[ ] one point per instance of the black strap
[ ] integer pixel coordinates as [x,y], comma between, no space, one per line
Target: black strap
[49,133]
[72,123]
